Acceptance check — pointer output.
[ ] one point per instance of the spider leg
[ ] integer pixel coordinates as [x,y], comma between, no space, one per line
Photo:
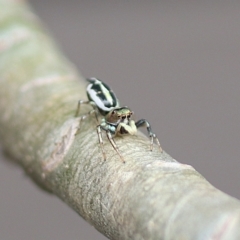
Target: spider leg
[101,141]
[110,138]
[93,111]
[80,102]
[145,123]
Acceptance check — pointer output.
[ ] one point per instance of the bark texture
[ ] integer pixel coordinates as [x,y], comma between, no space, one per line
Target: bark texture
[151,196]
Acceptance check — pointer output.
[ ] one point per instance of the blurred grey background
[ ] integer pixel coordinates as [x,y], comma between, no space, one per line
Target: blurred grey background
[176,63]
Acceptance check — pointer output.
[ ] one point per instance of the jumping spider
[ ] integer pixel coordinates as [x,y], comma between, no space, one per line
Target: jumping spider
[115,120]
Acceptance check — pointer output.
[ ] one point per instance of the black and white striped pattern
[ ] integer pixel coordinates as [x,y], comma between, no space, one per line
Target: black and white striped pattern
[101,95]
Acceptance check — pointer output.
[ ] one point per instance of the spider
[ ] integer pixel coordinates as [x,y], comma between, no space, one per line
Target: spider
[116,120]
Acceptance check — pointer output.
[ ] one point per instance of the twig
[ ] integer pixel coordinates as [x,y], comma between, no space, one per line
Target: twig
[151,196]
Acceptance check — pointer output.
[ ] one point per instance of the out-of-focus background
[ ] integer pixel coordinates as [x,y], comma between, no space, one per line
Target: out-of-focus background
[176,63]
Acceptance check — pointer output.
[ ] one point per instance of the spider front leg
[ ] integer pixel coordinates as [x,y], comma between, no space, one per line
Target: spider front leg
[145,123]
[109,135]
[110,138]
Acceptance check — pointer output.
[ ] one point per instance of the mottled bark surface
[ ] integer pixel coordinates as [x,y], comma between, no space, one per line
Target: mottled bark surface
[151,196]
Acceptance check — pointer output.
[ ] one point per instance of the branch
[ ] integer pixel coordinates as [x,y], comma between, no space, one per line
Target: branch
[151,196]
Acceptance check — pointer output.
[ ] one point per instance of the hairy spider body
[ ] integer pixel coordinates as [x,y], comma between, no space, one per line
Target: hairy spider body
[116,120]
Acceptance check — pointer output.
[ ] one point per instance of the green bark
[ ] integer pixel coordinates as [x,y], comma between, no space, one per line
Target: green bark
[151,196]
